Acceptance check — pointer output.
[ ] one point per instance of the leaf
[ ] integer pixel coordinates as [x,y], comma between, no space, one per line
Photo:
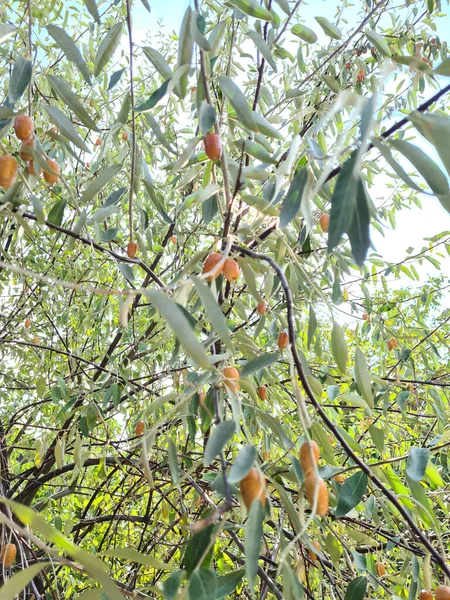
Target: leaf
[379,42]
[256,150]
[99,183]
[362,377]
[179,324]
[185,50]
[173,462]
[358,232]
[293,199]
[243,463]
[221,434]
[6,32]
[65,126]
[356,589]
[249,276]
[339,347]
[65,93]
[20,79]
[258,363]
[331,30]
[114,197]
[93,10]
[107,48]
[266,128]
[196,548]
[387,155]
[226,584]
[276,428]
[262,47]
[312,325]
[154,98]
[202,585]
[158,61]
[343,202]
[377,435]
[253,9]
[200,196]
[417,463]
[67,45]
[444,68]
[238,101]
[158,133]
[253,538]
[115,78]
[131,555]
[207,117]
[56,213]
[19,581]
[304,33]
[38,209]
[126,271]
[351,493]
[171,585]
[213,310]
[436,129]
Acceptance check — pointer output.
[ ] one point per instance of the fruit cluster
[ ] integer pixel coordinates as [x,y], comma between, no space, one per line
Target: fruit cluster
[229,267]
[314,485]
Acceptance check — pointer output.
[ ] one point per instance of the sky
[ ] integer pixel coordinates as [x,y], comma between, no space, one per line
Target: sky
[412,225]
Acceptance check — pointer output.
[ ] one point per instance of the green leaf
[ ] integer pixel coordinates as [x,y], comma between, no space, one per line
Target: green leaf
[339,347]
[249,276]
[379,42]
[226,584]
[181,327]
[356,589]
[362,377]
[262,47]
[331,30]
[293,199]
[56,213]
[115,78]
[276,428]
[436,129]
[256,150]
[351,493]
[107,48]
[171,585]
[93,10]
[19,581]
[38,209]
[304,33]
[377,435]
[417,463]
[213,310]
[221,434]
[65,93]
[67,45]
[243,463]
[444,68]
[258,363]
[154,98]
[312,325]
[238,101]
[126,271]
[358,232]
[158,133]
[99,183]
[173,462]
[202,585]
[266,128]
[199,196]
[65,126]
[253,538]
[20,79]
[253,9]
[185,50]
[131,555]
[343,202]
[387,155]
[207,117]
[196,548]
[158,61]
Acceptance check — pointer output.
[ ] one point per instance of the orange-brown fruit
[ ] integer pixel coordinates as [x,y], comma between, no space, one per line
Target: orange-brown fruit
[210,263]
[310,483]
[32,170]
[125,136]
[425,595]
[8,170]
[309,456]
[324,222]
[231,269]
[8,555]
[253,486]
[231,375]
[312,554]
[201,398]
[380,569]
[392,343]
[348,65]
[283,340]
[442,592]
[213,146]
[36,340]
[132,250]
[24,155]
[173,239]
[361,76]
[261,308]
[49,177]
[98,142]
[24,127]
[266,455]
[262,392]
[140,426]
[339,478]
[365,317]
[27,323]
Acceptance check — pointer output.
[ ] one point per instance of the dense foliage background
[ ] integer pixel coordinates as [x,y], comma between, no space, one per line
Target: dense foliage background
[121,449]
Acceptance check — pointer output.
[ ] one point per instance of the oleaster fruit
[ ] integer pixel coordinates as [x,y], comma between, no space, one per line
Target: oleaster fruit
[380,569]
[140,426]
[23,127]
[311,484]
[8,555]
[231,270]
[210,264]
[425,595]
[231,377]
[261,308]
[253,486]
[132,250]
[52,178]
[442,592]
[262,392]
[283,340]
[8,170]
[312,554]
[24,155]
[309,456]
[213,146]
[324,222]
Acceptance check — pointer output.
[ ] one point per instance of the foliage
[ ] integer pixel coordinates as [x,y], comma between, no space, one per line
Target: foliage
[343,115]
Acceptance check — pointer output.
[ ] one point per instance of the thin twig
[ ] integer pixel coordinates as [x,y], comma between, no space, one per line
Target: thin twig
[133,122]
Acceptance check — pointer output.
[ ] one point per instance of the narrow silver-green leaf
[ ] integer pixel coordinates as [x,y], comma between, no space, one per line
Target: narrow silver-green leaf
[93,10]
[253,9]
[202,585]
[173,462]
[107,48]
[362,377]
[329,28]
[214,312]
[67,45]
[131,555]
[243,463]
[65,126]
[253,538]
[339,347]
[304,33]
[159,62]
[221,434]
[262,47]
[20,79]
[238,101]
[19,581]
[379,42]
[65,93]
[185,50]
[99,183]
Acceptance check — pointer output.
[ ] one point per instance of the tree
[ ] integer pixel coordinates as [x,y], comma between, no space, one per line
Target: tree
[193,297]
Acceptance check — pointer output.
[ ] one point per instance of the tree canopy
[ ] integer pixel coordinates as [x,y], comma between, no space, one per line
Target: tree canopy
[212,384]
